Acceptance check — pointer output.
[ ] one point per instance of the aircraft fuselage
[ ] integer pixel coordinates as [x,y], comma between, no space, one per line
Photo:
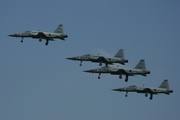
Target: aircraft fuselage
[99,59]
[35,34]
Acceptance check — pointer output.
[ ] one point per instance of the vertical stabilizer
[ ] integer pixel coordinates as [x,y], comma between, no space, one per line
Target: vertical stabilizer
[141,65]
[164,84]
[120,54]
[59,29]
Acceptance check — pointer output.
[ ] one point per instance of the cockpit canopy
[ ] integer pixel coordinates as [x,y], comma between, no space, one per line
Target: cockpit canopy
[132,86]
[31,31]
[87,55]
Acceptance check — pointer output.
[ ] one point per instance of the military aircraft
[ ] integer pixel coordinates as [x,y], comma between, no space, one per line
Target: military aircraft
[117,58]
[163,88]
[48,36]
[140,69]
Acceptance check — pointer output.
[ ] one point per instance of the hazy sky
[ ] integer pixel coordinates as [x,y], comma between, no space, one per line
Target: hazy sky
[38,83]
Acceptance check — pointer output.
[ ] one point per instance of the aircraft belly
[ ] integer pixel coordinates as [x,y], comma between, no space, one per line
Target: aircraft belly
[120,74]
[95,60]
[139,91]
[99,60]
[131,74]
[35,37]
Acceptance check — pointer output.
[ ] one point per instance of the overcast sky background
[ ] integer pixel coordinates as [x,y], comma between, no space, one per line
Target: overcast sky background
[38,83]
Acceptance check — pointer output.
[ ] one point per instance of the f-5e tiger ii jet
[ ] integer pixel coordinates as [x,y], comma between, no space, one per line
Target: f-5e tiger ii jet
[140,69]
[48,36]
[163,88]
[118,58]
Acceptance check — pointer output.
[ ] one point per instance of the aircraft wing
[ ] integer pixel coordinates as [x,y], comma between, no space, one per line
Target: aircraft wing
[42,35]
[146,90]
[102,59]
[122,71]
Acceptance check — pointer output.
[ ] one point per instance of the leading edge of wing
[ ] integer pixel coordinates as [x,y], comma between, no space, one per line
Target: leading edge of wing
[42,35]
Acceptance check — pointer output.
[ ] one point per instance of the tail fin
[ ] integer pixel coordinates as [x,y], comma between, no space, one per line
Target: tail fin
[164,84]
[120,54]
[59,29]
[141,65]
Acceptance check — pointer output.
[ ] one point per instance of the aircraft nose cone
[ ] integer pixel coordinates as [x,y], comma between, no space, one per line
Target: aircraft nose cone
[115,89]
[66,36]
[12,35]
[69,58]
[148,72]
[87,71]
[126,61]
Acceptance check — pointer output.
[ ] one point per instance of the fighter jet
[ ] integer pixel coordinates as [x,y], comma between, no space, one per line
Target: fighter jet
[118,58]
[163,88]
[48,36]
[140,69]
